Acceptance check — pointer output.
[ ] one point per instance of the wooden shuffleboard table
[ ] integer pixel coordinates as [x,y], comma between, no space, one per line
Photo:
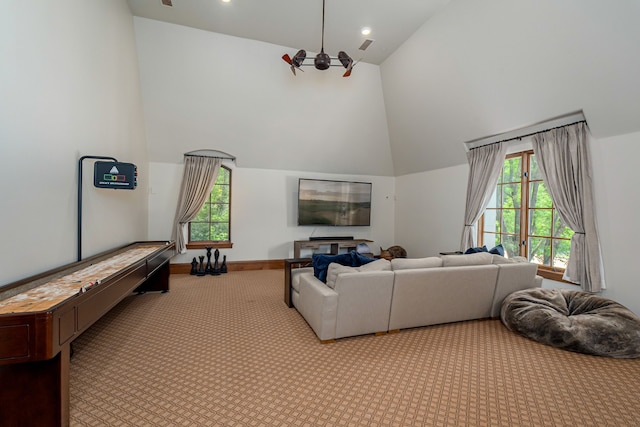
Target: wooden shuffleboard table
[40,316]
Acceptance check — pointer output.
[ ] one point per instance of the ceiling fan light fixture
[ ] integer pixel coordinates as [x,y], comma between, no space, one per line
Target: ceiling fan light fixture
[321,61]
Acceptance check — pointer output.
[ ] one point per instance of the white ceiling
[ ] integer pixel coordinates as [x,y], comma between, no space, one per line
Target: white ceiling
[298,23]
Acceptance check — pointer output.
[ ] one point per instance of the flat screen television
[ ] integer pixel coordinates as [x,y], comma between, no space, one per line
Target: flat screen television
[334,203]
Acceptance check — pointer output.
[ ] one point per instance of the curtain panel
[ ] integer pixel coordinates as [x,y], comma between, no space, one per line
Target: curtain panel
[485,164]
[198,179]
[565,165]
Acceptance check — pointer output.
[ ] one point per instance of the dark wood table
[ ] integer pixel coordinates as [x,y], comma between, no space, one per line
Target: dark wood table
[289,264]
[41,316]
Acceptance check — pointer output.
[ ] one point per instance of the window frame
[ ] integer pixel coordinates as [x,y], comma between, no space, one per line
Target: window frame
[546,271]
[218,244]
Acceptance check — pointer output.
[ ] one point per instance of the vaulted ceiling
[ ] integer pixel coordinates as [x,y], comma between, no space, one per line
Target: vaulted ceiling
[440,72]
[298,23]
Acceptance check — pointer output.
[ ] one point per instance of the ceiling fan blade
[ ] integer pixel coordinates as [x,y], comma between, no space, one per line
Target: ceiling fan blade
[286,58]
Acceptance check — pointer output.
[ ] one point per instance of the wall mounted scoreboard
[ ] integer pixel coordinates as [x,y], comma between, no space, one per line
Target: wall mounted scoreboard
[115,175]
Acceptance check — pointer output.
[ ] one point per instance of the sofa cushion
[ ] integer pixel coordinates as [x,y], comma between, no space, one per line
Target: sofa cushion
[498,259]
[480,258]
[335,270]
[377,265]
[409,263]
[321,262]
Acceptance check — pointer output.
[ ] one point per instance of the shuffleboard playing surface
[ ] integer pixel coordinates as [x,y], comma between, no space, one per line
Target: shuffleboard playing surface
[52,293]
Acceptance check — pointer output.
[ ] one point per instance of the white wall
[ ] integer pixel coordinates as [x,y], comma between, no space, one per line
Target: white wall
[430,210]
[208,90]
[617,206]
[69,88]
[264,211]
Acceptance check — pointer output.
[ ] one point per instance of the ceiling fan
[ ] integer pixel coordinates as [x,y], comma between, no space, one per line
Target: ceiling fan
[322,61]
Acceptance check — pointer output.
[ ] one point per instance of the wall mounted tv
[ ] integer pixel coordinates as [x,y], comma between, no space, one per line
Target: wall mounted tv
[334,203]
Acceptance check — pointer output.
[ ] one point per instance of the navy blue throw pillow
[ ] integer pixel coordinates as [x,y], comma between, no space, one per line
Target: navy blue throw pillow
[497,250]
[321,262]
[476,250]
[361,259]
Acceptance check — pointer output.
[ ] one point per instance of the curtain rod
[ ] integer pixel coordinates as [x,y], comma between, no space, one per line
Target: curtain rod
[215,154]
[547,125]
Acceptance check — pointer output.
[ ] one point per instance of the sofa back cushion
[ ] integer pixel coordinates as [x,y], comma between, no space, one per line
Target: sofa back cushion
[480,258]
[410,263]
[335,270]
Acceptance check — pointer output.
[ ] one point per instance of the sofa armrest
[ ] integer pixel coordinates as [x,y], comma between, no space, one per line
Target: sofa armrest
[318,304]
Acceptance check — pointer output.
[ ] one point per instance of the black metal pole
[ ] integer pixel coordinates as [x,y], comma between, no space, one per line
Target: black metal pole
[80,198]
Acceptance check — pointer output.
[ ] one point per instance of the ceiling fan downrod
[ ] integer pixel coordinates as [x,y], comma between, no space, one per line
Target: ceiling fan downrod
[322,61]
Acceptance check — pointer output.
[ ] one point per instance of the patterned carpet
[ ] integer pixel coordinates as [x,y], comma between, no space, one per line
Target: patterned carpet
[226,351]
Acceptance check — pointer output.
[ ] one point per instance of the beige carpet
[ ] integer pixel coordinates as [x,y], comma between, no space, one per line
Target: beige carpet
[226,351]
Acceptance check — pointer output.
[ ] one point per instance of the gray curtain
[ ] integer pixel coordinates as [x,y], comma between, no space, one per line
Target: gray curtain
[198,179]
[565,166]
[485,164]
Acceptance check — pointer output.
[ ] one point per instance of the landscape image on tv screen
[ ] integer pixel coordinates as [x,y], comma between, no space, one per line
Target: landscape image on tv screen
[337,203]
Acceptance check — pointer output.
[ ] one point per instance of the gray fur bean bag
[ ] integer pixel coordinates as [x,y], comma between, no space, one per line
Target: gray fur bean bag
[574,321]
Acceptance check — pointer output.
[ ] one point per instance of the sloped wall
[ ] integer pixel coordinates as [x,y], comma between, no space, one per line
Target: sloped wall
[482,68]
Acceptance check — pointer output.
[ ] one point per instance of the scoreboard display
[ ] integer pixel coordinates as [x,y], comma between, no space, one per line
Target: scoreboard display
[115,175]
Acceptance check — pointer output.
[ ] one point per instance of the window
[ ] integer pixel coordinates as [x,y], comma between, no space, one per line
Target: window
[523,219]
[211,227]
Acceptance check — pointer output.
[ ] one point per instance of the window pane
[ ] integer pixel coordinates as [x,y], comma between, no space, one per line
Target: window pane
[511,245]
[491,221]
[223,176]
[203,215]
[220,231]
[220,193]
[490,240]
[540,250]
[510,221]
[199,231]
[219,212]
[540,222]
[511,196]
[512,170]
[560,229]
[561,250]
[539,196]
[494,202]
[534,170]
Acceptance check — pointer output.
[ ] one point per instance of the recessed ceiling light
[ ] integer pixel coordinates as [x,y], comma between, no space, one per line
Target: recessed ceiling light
[365,31]
[226,1]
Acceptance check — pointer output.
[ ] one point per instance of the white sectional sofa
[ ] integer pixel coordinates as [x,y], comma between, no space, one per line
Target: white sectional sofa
[386,296]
